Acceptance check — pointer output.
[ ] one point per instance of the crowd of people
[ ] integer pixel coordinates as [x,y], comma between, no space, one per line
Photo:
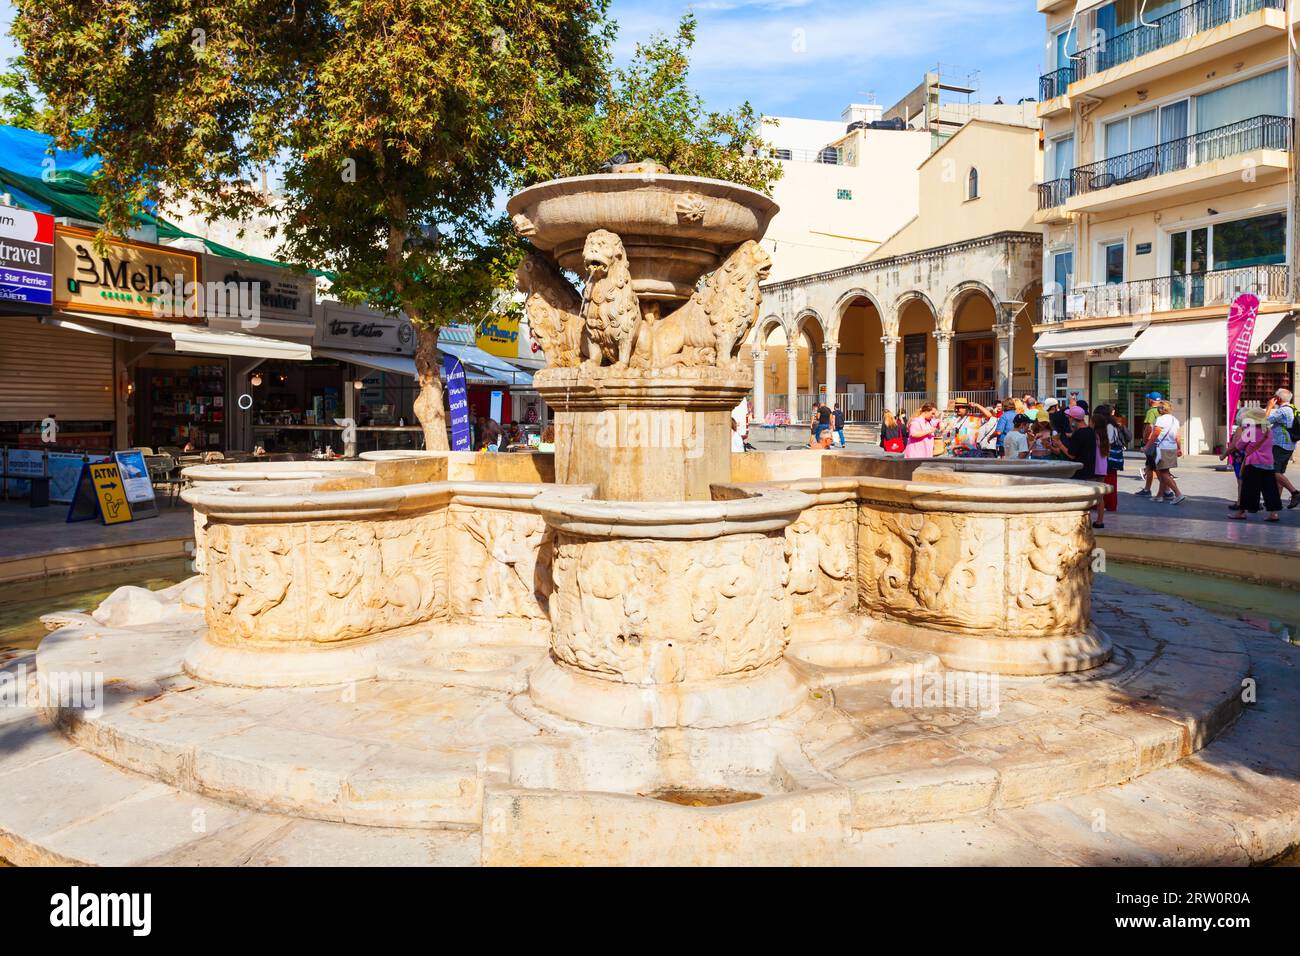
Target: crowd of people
[1260,450]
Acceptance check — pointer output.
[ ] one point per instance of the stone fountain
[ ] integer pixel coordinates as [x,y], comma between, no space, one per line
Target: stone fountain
[542,655]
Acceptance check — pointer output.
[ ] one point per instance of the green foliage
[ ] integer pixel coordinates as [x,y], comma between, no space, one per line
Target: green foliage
[648,111]
[17,99]
[398,124]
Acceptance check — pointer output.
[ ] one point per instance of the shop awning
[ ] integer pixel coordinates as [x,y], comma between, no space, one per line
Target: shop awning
[488,365]
[397,364]
[1080,340]
[1206,338]
[197,339]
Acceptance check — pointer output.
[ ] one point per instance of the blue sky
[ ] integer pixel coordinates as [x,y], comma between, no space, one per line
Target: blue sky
[812,57]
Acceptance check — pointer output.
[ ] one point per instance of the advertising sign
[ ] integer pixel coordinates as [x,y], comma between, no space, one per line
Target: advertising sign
[457,403]
[123,280]
[26,259]
[64,470]
[500,336]
[1241,328]
[136,483]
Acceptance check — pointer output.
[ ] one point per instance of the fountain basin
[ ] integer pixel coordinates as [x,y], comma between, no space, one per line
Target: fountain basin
[674,228]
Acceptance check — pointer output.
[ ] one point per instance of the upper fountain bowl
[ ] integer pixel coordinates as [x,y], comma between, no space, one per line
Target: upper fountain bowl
[674,228]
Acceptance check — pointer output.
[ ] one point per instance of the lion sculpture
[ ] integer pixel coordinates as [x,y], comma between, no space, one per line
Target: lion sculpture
[612,317]
[709,328]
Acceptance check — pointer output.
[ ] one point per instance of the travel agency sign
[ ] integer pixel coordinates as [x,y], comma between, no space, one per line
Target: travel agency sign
[26,260]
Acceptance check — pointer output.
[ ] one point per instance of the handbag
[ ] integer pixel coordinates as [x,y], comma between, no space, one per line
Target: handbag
[893,444]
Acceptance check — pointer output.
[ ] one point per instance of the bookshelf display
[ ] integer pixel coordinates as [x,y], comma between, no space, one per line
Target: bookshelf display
[182,405]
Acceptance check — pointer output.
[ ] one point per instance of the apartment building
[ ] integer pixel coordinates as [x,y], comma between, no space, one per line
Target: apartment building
[833,209]
[1169,189]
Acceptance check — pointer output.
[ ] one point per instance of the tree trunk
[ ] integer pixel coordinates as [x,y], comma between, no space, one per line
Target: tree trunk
[429,406]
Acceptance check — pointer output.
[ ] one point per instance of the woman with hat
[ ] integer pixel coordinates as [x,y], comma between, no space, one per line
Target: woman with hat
[1258,477]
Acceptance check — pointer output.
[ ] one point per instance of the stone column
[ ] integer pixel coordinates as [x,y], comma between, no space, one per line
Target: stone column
[792,374]
[891,372]
[759,383]
[943,342]
[1005,370]
[831,352]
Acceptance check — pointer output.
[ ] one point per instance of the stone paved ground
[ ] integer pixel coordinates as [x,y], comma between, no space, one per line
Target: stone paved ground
[27,531]
[1041,782]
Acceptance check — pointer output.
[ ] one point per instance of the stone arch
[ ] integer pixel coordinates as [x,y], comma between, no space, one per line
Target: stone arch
[905,300]
[915,315]
[962,291]
[846,301]
[861,323]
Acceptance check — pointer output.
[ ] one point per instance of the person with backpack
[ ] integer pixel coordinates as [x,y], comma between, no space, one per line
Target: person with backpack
[1280,415]
[837,423]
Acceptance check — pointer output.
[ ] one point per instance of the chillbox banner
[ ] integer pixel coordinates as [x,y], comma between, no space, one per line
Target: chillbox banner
[1241,327]
[457,403]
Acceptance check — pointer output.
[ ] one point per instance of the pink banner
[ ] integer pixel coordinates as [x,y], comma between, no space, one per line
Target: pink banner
[1241,326]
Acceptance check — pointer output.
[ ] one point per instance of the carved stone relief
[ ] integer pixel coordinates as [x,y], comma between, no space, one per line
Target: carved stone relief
[663,612]
[500,564]
[821,550]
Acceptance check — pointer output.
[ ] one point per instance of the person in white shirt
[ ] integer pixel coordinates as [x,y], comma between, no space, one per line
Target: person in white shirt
[1166,438]
[737,441]
[1015,444]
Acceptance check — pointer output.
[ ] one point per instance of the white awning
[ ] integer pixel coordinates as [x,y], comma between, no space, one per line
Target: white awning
[1080,340]
[198,339]
[1205,338]
[238,343]
[397,364]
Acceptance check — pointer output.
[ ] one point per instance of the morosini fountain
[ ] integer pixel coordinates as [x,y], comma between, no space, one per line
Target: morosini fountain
[647,649]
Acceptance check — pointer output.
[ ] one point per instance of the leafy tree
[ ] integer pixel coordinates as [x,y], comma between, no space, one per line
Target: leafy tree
[648,111]
[398,125]
[396,122]
[17,100]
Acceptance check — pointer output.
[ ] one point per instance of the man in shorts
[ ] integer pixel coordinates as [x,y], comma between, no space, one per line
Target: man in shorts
[1149,468]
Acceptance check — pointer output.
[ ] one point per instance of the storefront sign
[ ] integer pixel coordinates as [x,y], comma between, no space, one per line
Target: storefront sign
[1280,344]
[346,327]
[26,259]
[457,403]
[1241,326]
[280,294]
[500,336]
[125,279]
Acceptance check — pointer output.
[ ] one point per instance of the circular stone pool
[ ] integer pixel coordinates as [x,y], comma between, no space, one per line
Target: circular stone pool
[24,603]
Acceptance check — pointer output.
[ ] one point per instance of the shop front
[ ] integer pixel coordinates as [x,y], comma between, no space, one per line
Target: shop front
[1195,354]
[58,389]
[1124,386]
[376,355]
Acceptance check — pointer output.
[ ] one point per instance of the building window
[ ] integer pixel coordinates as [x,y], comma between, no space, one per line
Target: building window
[844,194]
[1113,263]
[973,184]
[1060,378]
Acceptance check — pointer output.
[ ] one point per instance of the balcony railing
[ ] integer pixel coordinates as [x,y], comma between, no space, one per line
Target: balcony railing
[828,155]
[1179,25]
[1258,132]
[1055,83]
[1054,193]
[1132,43]
[1166,293]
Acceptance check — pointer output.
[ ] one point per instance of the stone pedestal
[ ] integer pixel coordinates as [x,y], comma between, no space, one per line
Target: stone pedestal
[668,615]
[643,435]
